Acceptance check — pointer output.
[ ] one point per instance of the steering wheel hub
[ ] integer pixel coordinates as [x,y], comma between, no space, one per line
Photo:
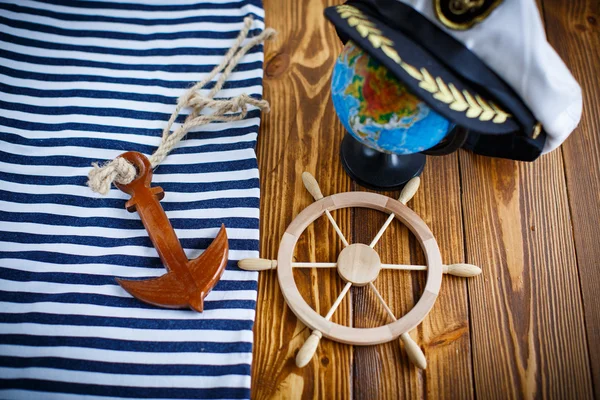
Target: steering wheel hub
[358,264]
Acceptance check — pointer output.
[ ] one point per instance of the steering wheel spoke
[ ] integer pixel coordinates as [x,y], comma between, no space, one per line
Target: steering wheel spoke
[308,349]
[311,184]
[407,193]
[415,354]
[261,264]
[382,301]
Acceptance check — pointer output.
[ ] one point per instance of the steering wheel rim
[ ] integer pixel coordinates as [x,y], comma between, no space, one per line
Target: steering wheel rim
[352,335]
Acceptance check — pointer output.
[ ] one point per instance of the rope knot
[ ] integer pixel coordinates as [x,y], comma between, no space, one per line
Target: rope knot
[121,171]
[240,101]
[118,170]
[234,104]
[199,102]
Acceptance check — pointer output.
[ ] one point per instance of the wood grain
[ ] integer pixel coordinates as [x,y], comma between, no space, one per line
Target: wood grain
[527,325]
[526,328]
[444,334]
[573,29]
[301,133]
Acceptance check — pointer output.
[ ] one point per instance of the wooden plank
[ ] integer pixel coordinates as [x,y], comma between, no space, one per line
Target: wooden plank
[444,335]
[301,133]
[528,337]
[527,322]
[573,29]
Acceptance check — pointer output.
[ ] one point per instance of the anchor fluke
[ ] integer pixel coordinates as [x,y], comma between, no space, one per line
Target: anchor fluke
[164,291]
[170,292]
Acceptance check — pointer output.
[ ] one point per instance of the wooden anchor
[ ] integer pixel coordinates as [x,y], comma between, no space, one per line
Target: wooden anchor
[187,282]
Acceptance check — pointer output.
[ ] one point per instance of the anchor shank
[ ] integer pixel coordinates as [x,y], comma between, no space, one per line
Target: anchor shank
[161,233]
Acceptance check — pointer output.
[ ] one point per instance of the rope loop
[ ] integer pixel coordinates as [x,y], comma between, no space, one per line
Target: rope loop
[101,177]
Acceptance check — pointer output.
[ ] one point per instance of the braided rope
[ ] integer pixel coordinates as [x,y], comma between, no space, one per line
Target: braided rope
[101,177]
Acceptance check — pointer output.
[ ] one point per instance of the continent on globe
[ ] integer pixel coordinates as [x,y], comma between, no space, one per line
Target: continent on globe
[378,110]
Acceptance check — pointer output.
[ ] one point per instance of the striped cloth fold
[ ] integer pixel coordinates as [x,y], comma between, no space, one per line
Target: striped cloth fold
[85,81]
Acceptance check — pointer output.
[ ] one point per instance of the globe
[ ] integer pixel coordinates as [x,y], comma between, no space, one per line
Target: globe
[378,110]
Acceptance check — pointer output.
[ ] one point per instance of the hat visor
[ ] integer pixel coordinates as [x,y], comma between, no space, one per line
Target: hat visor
[421,72]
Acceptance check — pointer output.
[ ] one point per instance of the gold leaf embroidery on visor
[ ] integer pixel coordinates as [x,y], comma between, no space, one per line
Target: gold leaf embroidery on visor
[474,106]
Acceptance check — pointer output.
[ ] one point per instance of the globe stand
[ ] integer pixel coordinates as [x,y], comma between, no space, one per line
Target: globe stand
[376,170]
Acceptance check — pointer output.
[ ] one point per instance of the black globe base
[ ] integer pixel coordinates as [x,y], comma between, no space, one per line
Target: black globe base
[376,170]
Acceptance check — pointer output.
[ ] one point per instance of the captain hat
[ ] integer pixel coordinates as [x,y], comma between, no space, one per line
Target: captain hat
[483,64]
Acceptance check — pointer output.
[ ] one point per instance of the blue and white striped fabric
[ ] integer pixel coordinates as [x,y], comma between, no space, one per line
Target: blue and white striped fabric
[83,81]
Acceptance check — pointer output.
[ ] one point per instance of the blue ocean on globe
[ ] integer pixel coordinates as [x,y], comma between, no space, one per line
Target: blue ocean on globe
[378,110]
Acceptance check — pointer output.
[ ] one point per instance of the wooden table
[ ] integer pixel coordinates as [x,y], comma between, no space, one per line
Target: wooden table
[529,326]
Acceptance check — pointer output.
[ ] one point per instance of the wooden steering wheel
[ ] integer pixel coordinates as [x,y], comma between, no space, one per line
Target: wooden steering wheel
[359,265]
